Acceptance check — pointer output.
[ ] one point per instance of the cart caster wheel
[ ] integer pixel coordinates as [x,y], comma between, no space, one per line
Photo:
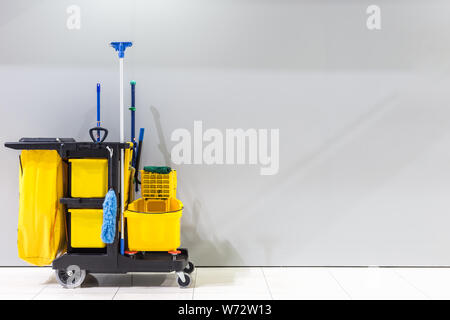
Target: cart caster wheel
[183,279]
[189,268]
[71,277]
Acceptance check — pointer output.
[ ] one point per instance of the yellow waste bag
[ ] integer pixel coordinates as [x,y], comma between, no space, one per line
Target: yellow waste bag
[41,232]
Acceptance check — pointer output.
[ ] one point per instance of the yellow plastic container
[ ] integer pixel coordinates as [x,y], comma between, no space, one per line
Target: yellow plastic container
[85,228]
[158,185]
[156,205]
[89,178]
[149,229]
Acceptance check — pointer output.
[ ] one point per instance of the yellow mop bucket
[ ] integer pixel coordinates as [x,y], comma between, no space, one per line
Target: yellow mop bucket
[153,224]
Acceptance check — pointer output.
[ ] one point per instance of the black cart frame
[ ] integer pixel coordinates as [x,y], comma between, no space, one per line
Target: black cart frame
[109,259]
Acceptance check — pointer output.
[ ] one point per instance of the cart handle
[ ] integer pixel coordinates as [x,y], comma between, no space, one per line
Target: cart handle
[91,133]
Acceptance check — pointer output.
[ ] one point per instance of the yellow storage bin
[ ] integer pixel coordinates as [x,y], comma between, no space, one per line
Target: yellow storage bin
[86,228]
[149,228]
[158,185]
[89,178]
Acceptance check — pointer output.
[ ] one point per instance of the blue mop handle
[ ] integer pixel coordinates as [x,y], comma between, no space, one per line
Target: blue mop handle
[98,111]
[141,135]
[122,246]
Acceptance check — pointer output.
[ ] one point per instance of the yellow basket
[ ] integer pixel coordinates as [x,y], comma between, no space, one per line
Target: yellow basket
[89,178]
[86,228]
[149,229]
[158,185]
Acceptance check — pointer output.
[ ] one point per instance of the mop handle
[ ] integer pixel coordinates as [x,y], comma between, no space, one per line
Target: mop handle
[98,111]
[122,164]
[120,48]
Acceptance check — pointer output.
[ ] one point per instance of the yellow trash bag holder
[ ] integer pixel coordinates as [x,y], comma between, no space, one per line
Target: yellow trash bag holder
[41,229]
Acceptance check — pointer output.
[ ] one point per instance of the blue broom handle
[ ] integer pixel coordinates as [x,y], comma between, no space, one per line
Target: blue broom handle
[141,135]
[98,111]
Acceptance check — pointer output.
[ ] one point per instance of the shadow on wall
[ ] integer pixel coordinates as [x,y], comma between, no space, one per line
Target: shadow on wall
[203,251]
[162,146]
[209,251]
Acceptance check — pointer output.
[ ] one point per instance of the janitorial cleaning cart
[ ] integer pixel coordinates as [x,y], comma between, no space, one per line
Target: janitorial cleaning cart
[78,209]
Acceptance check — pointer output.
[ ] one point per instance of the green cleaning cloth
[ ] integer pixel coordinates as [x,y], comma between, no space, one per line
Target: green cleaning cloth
[162,170]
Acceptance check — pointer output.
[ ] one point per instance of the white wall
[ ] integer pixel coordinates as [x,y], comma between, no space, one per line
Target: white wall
[364,118]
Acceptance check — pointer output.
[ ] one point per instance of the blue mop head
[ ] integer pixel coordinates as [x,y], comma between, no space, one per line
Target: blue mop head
[109,217]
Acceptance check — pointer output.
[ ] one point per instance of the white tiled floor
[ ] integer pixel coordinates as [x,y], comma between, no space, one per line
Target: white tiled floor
[237,283]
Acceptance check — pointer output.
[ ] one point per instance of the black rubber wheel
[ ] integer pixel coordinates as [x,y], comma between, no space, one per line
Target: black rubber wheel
[189,268]
[186,282]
